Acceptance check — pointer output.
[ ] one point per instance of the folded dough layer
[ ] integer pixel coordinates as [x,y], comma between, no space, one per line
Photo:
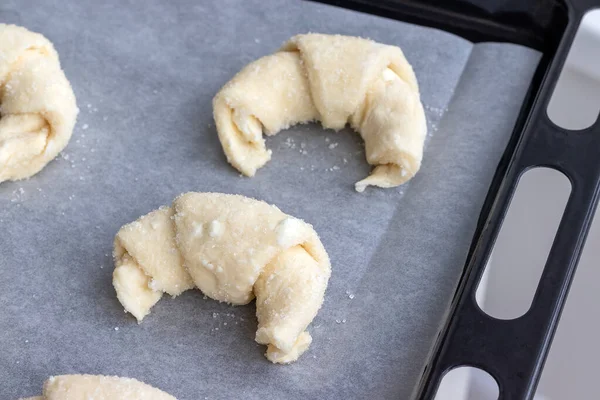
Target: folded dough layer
[98,387]
[271,93]
[37,105]
[232,248]
[334,79]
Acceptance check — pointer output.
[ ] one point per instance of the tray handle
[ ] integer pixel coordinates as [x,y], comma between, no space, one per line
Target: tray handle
[514,351]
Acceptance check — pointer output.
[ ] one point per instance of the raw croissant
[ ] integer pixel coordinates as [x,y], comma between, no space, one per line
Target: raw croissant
[336,80]
[232,248]
[37,105]
[98,387]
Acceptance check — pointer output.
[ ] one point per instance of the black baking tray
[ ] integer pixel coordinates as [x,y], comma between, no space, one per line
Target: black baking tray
[513,351]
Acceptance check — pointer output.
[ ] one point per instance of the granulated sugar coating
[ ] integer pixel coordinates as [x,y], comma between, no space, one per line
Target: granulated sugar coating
[97,387]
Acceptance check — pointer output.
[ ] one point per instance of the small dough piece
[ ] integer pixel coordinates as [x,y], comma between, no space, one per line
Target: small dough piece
[334,79]
[232,248]
[98,387]
[37,104]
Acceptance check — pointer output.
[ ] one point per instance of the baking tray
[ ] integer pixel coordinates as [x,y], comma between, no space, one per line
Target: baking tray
[514,351]
[58,237]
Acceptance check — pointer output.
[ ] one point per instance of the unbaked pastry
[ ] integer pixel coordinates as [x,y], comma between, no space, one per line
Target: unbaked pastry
[336,80]
[37,105]
[98,387]
[232,248]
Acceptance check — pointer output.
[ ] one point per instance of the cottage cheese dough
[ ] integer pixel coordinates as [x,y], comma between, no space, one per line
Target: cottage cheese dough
[37,105]
[336,80]
[98,387]
[232,248]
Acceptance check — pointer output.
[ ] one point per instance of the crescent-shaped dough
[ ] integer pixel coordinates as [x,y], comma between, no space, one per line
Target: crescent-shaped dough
[37,105]
[98,387]
[232,248]
[336,80]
